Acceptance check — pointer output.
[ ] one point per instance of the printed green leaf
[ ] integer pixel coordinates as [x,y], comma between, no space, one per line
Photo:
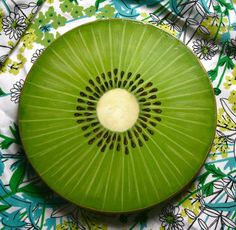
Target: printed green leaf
[34,190]
[202,178]
[15,133]
[2,93]
[228,207]
[212,74]
[6,143]
[17,178]
[4,207]
[40,2]
[215,171]
[208,190]
[97,3]
[226,61]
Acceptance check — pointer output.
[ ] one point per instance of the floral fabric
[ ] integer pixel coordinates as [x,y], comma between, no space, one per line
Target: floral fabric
[208,27]
[14,18]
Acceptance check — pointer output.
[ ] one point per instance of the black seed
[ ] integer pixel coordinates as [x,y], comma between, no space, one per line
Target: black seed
[77,114]
[137,77]
[131,83]
[99,134]
[157,118]
[136,133]
[103,148]
[140,81]
[88,89]
[80,100]
[90,103]
[142,100]
[106,135]
[125,141]
[106,84]
[110,82]
[119,138]
[139,129]
[97,89]
[122,74]
[140,90]
[153,123]
[147,110]
[80,121]
[96,95]
[94,124]
[91,108]
[108,139]
[143,93]
[133,88]
[129,135]
[133,144]
[114,137]
[82,94]
[87,114]
[116,79]
[103,88]
[98,80]
[147,115]
[129,75]
[150,131]
[96,130]
[118,147]
[111,146]
[119,83]
[103,76]
[140,143]
[149,84]
[109,74]
[157,110]
[115,71]
[145,137]
[124,83]
[91,82]
[85,127]
[90,119]
[157,103]
[143,125]
[153,90]
[91,141]
[80,108]
[153,97]
[87,134]
[99,143]
[126,151]
[92,98]
[147,103]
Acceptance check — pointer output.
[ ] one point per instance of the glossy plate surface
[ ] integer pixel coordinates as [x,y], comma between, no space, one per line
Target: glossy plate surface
[117,171]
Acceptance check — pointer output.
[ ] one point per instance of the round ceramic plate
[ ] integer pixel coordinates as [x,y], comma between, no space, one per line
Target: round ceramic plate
[117,116]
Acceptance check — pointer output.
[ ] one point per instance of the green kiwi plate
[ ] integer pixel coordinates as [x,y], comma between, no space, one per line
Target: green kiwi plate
[117,116]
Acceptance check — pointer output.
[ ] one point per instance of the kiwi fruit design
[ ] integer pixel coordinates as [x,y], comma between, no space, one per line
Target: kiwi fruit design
[117,116]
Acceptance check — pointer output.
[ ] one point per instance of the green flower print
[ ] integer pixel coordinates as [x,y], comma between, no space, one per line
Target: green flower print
[232,100]
[58,21]
[77,11]
[48,39]
[41,20]
[90,11]
[27,40]
[50,14]
[66,6]
[45,23]
[106,12]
